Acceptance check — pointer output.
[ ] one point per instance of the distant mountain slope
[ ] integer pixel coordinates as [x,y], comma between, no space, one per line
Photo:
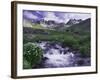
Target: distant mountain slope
[73,21]
[82,27]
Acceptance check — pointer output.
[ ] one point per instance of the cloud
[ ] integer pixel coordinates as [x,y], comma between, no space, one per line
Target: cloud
[52,16]
[82,16]
[65,16]
[56,16]
[29,15]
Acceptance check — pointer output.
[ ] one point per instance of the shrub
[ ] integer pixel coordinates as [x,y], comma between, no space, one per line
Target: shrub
[70,41]
[26,64]
[85,50]
[32,54]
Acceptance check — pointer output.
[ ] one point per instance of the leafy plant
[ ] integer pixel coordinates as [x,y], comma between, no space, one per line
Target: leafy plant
[32,55]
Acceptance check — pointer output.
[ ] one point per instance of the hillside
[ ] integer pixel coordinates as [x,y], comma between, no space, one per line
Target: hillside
[81,28]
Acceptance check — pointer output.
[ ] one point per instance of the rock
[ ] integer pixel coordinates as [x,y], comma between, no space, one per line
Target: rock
[45,58]
[80,62]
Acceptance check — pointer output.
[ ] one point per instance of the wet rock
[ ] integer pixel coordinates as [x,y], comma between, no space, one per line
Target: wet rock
[80,62]
[87,61]
[65,52]
[60,51]
[77,55]
[46,50]
[45,58]
[69,50]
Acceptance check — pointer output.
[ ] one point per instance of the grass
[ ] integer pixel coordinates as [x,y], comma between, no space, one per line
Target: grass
[77,42]
[37,26]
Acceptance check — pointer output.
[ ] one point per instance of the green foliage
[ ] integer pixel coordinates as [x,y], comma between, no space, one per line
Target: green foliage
[26,64]
[70,41]
[32,55]
[85,50]
[37,26]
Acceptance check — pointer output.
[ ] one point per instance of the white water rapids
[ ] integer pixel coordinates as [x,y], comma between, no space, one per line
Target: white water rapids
[56,56]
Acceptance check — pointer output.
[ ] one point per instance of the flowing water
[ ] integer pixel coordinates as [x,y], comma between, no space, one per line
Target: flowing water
[55,55]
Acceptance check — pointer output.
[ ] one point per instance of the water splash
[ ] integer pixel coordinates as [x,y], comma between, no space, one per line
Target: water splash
[55,55]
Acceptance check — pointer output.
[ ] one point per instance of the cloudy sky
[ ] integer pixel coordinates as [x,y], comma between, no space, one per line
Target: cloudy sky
[56,16]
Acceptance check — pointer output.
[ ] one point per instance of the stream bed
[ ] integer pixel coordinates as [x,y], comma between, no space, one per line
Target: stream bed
[55,55]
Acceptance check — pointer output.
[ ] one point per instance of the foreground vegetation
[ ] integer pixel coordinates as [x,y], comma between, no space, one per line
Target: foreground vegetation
[32,55]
